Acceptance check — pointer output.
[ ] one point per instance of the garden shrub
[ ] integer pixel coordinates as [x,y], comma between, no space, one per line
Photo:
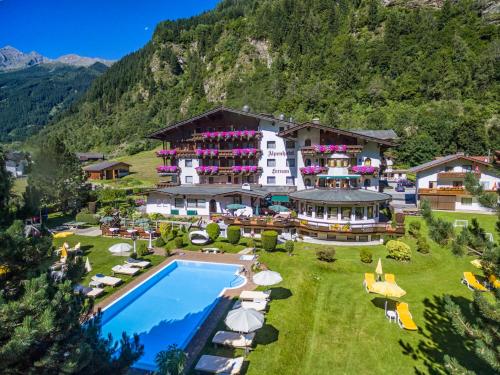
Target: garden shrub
[366,256]
[179,242]
[398,250]
[269,239]
[425,210]
[251,243]
[440,230]
[142,250]
[289,247]
[87,218]
[414,229]
[213,231]
[423,245]
[165,229]
[133,255]
[175,232]
[326,255]
[233,234]
[159,242]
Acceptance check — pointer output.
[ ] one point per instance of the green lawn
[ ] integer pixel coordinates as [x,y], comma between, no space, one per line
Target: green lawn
[101,260]
[322,321]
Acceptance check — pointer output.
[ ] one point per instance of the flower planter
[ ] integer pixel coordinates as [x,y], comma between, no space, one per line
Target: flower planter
[313,170]
[164,170]
[329,149]
[166,153]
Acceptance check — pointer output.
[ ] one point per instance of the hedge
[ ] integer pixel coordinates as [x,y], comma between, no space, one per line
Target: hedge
[398,250]
[213,231]
[233,234]
[87,218]
[269,240]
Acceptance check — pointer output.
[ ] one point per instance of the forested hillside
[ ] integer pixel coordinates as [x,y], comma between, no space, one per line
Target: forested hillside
[31,97]
[430,73]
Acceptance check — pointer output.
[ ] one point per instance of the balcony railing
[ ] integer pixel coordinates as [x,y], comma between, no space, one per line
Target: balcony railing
[442,190]
[235,170]
[364,170]
[226,136]
[315,150]
[165,170]
[456,174]
[224,154]
[165,184]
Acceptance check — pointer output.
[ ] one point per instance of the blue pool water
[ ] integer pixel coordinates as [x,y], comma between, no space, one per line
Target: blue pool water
[170,306]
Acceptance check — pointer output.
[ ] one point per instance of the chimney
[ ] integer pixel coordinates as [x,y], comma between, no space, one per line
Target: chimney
[246,108]
[315,120]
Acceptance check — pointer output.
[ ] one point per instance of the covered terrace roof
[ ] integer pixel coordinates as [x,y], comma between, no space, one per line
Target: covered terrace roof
[340,196]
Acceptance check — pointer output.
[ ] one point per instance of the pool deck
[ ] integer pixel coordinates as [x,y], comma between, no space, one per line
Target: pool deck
[203,334]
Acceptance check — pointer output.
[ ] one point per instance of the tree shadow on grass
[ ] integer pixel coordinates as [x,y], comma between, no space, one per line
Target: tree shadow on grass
[438,338]
[280,293]
[86,249]
[266,335]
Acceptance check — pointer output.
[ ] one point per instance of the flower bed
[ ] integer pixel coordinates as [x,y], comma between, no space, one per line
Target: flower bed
[249,152]
[206,152]
[167,169]
[312,170]
[237,134]
[166,153]
[363,169]
[329,149]
[244,169]
[207,169]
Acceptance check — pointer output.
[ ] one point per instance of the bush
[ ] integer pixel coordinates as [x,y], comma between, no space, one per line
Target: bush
[440,230]
[414,229]
[179,242]
[133,256]
[269,239]
[425,209]
[142,250]
[251,243]
[233,234]
[398,250]
[213,231]
[327,255]
[423,245]
[159,242]
[87,218]
[289,247]
[366,256]
[175,232]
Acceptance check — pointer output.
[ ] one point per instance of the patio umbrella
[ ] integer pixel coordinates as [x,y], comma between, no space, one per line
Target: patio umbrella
[378,270]
[64,251]
[63,234]
[387,290]
[267,278]
[88,268]
[120,248]
[244,320]
[278,208]
[235,206]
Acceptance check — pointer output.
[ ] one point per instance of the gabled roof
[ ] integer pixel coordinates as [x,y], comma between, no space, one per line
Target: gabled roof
[211,191]
[103,165]
[213,111]
[83,156]
[369,135]
[446,159]
[340,196]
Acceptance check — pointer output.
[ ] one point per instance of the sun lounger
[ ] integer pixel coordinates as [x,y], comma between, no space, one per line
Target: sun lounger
[135,263]
[369,281]
[95,292]
[248,257]
[250,295]
[219,365]
[125,270]
[470,280]
[405,320]
[234,339]
[258,305]
[88,292]
[106,280]
[494,282]
[390,278]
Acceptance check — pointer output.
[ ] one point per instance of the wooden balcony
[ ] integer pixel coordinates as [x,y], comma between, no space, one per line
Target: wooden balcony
[229,171]
[351,149]
[456,174]
[442,191]
[166,184]
[196,137]
[221,154]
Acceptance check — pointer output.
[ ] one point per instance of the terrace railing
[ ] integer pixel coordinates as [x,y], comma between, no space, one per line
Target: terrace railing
[350,149]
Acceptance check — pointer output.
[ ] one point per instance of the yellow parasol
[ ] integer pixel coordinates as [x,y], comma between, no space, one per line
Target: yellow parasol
[387,290]
[378,270]
[63,234]
[64,252]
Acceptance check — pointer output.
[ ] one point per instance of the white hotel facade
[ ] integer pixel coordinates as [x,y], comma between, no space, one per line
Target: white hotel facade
[329,176]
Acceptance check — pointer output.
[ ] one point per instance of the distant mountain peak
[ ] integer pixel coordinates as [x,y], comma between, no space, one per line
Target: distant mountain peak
[74,59]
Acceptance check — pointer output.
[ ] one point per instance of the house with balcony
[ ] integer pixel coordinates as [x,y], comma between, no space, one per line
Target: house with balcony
[328,176]
[441,181]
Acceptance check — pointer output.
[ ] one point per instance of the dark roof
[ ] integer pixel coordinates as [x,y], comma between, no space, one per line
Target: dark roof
[340,196]
[83,156]
[444,160]
[211,190]
[381,134]
[158,133]
[104,165]
[349,133]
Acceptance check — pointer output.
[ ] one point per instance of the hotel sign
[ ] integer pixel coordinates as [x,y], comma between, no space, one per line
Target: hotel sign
[273,153]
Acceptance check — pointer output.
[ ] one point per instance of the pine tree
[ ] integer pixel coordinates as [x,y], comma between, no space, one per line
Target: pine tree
[5,186]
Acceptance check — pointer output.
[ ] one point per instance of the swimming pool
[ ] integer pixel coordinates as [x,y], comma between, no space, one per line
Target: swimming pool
[169,306]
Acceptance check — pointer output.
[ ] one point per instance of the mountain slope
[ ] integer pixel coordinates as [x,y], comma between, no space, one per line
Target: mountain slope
[430,74]
[30,98]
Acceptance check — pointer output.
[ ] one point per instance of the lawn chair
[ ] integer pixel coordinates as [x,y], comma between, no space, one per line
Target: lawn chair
[470,280]
[405,320]
[390,278]
[234,339]
[124,270]
[494,282]
[219,365]
[369,281]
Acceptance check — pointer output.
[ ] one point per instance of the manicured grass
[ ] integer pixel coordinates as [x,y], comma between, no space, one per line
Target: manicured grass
[101,260]
[321,320]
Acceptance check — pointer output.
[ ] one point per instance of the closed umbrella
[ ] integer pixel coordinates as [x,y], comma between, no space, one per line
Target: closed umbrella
[235,206]
[387,290]
[120,248]
[267,278]
[64,251]
[88,268]
[278,208]
[244,320]
[378,270]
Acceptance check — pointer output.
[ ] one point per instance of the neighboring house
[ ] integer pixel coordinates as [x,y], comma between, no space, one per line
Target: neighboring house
[107,170]
[393,175]
[441,181]
[16,163]
[224,156]
[85,157]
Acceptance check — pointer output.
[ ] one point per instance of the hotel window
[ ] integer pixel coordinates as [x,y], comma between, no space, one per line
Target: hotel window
[359,213]
[179,203]
[290,180]
[237,199]
[367,182]
[188,162]
[466,201]
[188,179]
[457,183]
[309,210]
[308,162]
[320,212]
[307,142]
[290,163]
[271,162]
[271,144]
[282,128]
[369,212]
[290,144]
[448,169]
[333,212]
[196,203]
[346,213]
[307,182]
[271,180]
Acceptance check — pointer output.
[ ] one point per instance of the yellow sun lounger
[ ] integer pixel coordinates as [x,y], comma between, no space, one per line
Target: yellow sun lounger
[369,281]
[390,278]
[470,280]
[405,320]
[495,283]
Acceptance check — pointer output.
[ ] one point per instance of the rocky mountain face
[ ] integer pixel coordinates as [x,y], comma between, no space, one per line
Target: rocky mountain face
[12,59]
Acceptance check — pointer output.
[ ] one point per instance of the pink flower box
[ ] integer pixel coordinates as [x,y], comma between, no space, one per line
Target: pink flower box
[363,169]
[329,148]
[166,153]
[313,170]
[167,169]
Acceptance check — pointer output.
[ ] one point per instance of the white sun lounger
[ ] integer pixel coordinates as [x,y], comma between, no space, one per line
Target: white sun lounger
[258,305]
[95,292]
[250,295]
[124,270]
[107,280]
[138,264]
[219,365]
[234,339]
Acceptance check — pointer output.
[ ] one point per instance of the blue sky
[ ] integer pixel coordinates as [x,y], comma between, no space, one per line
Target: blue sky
[94,28]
